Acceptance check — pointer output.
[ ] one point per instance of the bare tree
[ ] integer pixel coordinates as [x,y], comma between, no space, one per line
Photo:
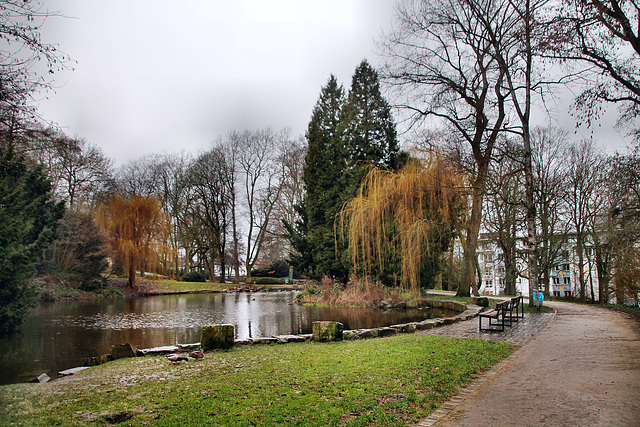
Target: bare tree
[26,62]
[504,211]
[208,180]
[84,171]
[584,199]
[441,65]
[549,149]
[285,212]
[617,252]
[601,37]
[262,178]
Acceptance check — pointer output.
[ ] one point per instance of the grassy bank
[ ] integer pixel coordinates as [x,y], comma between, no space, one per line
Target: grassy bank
[391,381]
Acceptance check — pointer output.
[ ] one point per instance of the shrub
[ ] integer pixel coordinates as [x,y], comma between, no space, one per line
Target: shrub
[268,280]
[358,292]
[111,293]
[278,268]
[194,276]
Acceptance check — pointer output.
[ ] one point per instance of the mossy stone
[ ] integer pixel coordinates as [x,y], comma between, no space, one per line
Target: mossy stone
[327,331]
[215,337]
[120,351]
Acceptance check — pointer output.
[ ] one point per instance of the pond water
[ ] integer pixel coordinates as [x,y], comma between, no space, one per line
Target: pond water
[59,336]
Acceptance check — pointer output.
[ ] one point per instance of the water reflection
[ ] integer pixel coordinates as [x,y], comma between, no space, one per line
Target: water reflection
[62,335]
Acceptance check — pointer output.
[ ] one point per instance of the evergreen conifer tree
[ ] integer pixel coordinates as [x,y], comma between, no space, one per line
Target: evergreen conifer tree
[345,137]
[325,163]
[366,125]
[28,219]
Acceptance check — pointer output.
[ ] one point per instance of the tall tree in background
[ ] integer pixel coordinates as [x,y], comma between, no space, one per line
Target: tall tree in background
[28,219]
[78,255]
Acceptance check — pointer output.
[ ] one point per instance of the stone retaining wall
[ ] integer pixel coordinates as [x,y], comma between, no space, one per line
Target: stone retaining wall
[467,311]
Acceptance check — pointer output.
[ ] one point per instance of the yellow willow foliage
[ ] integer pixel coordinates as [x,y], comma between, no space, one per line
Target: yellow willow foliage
[137,229]
[402,214]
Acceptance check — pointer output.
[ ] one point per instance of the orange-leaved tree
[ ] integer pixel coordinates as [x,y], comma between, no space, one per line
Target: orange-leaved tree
[135,226]
[403,220]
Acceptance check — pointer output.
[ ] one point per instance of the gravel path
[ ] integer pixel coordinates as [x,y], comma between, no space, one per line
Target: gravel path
[581,368]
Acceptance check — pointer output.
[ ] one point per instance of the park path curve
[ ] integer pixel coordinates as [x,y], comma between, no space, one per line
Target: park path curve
[583,369]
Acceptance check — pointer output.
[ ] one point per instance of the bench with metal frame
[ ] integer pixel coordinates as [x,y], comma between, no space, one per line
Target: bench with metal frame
[514,305]
[497,317]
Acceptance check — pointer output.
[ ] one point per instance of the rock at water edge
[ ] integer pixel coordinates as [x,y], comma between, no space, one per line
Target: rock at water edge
[217,337]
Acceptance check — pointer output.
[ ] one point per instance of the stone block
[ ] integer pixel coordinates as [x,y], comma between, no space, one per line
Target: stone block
[215,337]
[264,340]
[350,335]
[327,331]
[386,332]
[368,333]
[284,339]
[121,351]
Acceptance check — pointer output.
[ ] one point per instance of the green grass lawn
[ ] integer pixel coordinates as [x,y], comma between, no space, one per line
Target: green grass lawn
[391,381]
[175,286]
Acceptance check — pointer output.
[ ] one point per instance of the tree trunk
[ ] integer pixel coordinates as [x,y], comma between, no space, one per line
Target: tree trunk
[602,266]
[510,272]
[468,280]
[580,250]
[132,272]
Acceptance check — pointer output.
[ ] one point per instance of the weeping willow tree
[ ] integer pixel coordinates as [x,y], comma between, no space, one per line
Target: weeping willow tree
[401,222]
[136,226]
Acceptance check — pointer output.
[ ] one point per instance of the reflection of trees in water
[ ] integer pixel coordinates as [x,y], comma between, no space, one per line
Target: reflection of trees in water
[62,335]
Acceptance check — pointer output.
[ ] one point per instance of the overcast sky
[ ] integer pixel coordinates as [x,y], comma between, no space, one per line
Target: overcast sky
[156,76]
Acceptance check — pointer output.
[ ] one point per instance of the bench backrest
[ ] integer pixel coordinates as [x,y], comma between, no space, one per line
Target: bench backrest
[502,306]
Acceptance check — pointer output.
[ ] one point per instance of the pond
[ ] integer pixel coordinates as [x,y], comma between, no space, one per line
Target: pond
[59,336]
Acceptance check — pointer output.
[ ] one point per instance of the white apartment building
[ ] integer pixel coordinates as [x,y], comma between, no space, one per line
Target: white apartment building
[564,280]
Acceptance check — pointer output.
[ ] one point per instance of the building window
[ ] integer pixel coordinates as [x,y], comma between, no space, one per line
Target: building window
[567,280]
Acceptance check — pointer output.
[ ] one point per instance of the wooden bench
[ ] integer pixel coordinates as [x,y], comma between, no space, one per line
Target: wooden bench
[497,317]
[514,309]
